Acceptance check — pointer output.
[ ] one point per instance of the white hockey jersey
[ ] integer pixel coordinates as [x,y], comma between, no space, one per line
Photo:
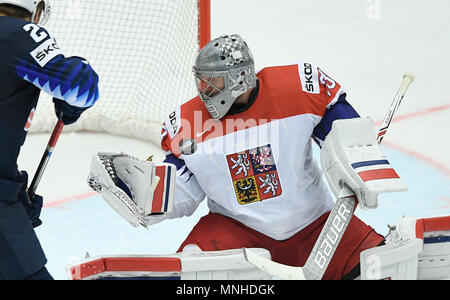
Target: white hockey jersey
[256,166]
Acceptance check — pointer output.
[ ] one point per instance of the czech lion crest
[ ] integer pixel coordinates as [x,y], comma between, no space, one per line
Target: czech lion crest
[254,174]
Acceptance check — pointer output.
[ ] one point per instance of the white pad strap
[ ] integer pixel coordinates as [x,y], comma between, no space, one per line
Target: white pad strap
[351,155]
[132,187]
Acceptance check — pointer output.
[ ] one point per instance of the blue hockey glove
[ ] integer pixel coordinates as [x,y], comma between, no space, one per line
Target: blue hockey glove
[68,113]
[33,208]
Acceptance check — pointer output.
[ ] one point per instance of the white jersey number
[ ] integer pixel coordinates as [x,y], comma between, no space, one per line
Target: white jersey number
[34,32]
[326,80]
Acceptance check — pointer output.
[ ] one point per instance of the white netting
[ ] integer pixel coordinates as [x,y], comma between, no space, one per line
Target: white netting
[143,51]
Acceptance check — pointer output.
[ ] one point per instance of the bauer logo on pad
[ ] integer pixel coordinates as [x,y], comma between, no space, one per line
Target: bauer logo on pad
[254,174]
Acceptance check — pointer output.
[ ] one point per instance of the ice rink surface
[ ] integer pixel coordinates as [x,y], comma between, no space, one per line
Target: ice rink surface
[365,45]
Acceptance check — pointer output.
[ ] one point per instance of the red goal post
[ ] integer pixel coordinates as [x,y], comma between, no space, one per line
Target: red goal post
[143,52]
[204,22]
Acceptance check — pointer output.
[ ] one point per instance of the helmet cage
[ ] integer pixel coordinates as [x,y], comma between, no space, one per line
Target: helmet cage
[210,83]
[219,89]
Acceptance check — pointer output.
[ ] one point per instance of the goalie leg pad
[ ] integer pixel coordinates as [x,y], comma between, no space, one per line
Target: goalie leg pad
[415,249]
[192,265]
[394,261]
[221,265]
[434,260]
[133,188]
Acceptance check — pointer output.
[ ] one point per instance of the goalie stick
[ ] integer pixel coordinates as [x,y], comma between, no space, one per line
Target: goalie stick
[337,222]
[45,159]
[407,80]
[324,248]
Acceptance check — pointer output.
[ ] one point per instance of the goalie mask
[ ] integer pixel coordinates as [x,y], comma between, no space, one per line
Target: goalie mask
[224,70]
[32,7]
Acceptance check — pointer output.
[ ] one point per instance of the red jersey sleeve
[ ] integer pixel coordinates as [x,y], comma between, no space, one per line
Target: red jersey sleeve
[320,85]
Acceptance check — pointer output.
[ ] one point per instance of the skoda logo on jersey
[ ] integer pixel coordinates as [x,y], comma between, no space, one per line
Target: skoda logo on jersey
[309,78]
[173,123]
[46,52]
[254,174]
[29,120]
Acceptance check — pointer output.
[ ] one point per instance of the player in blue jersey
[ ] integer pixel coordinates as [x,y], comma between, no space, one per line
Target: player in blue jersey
[31,61]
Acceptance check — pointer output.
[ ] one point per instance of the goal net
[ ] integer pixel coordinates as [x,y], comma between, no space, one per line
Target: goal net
[143,51]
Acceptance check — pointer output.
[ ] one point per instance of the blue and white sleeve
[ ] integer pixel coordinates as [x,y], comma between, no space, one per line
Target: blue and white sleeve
[339,110]
[40,61]
[70,79]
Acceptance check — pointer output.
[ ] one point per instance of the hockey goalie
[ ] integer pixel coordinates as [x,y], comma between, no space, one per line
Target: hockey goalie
[245,145]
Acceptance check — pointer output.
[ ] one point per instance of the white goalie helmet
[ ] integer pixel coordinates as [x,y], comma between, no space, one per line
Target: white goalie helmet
[224,70]
[31,6]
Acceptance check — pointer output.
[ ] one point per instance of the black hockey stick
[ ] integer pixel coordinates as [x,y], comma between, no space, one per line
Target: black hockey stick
[45,159]
[336,224]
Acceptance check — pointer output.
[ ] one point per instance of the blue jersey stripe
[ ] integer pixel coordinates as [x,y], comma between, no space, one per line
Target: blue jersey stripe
[172,159]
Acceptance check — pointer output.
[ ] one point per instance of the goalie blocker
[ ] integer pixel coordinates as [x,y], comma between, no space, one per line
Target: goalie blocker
[137,190]
[352,156]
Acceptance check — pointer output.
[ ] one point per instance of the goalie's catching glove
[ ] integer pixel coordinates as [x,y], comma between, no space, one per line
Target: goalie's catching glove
[133,187]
